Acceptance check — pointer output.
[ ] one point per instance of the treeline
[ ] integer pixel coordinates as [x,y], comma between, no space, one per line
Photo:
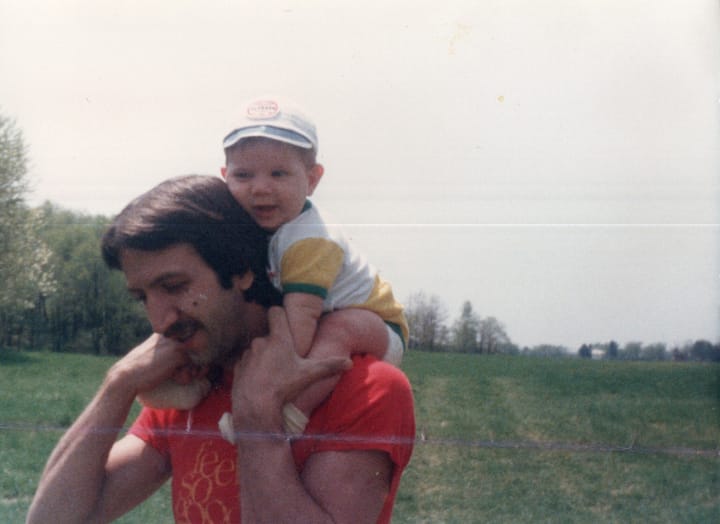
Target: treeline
[698,351]
[63,297]
[471,333]
[58,295]
[56,292]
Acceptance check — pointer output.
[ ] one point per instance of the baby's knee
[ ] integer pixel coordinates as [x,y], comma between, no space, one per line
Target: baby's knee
[356,330]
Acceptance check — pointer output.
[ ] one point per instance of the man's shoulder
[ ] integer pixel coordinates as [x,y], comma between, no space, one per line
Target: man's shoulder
[369,370]
[371,408]
[371,384]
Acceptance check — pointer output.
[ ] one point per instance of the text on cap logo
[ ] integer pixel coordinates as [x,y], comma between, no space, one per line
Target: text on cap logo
[262,109]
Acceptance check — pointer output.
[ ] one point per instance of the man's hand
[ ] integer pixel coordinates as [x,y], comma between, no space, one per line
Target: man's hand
[270,373]
[150,363]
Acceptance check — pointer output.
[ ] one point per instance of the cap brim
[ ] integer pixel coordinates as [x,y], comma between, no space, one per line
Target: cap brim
[274,133]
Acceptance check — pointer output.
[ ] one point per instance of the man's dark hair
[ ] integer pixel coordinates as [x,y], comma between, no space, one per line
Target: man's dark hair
[200,211]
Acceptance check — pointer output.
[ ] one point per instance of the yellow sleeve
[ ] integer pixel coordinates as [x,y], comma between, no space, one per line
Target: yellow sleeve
[311,266]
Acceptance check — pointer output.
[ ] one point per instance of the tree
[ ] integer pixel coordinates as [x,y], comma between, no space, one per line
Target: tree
[679,355]
[13,168]
[32,284]
[92,311]
[585,351]
[426,318]
[465,330]
[492,335]
[13,186]
[656,351]
[704,351]
[631,351]
[612,350]
[24,258]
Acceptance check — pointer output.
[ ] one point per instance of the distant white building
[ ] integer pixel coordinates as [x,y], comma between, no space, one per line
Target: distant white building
[597,353]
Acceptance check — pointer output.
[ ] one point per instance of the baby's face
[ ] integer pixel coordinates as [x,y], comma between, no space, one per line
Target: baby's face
[270,180]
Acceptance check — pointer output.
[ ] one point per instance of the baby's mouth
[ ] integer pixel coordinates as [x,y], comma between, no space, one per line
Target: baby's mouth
[264,210]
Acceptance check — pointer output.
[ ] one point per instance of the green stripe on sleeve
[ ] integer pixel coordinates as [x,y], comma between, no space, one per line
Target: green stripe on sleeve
[310,289]
[398,330]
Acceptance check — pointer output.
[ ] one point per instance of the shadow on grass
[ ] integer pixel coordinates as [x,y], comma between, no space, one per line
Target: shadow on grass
[10,357]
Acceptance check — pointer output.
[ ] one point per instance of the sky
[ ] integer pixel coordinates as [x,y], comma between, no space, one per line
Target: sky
[555,163]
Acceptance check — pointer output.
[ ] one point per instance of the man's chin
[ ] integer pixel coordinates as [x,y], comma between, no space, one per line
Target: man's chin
[210,355]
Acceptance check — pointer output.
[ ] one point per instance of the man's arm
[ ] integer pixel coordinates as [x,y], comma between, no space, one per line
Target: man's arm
[105,477]
[335,486]
[351,485]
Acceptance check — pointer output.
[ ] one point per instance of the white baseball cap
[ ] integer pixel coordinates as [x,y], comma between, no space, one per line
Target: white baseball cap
[275,118]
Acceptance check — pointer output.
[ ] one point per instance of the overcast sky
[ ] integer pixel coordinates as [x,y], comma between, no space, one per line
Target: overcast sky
[554,162]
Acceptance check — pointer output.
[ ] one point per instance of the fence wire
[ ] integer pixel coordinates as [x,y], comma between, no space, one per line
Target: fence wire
[419,440]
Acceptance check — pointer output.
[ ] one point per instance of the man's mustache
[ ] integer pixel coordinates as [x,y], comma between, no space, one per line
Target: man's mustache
[182,330]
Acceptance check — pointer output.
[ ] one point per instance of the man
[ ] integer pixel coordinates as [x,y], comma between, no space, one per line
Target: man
[197,262]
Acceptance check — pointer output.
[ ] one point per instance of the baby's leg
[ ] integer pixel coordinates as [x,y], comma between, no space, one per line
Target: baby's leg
[342,333]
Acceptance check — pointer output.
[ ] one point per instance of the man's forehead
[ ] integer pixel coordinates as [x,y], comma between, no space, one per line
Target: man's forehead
[141,266]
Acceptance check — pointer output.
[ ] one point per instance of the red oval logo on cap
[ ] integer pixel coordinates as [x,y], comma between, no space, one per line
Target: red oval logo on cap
[262,109]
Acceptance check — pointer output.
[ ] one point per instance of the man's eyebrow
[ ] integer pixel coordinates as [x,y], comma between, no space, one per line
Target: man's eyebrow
[159,280]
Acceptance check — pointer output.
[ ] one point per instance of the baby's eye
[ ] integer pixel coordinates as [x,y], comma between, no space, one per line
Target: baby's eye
[241,176]
[279,174]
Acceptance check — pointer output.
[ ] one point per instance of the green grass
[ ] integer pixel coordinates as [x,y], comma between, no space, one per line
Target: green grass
[500,439]
[40,395]
[513,439]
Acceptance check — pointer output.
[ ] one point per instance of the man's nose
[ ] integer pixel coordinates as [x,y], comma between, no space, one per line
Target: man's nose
[162,314]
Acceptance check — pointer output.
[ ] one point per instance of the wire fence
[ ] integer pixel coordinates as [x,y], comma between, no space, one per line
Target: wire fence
[419,440]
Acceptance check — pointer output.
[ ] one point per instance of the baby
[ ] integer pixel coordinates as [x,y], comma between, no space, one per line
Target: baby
[271,170]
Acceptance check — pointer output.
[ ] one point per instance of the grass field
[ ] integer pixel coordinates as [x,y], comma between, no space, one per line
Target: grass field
[500,439]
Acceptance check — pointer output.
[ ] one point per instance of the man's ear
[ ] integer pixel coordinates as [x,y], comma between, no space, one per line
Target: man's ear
[223,172]
[314,176]
[243,282]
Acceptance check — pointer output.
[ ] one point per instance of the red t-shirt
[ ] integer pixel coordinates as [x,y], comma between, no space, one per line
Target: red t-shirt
[371,408]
